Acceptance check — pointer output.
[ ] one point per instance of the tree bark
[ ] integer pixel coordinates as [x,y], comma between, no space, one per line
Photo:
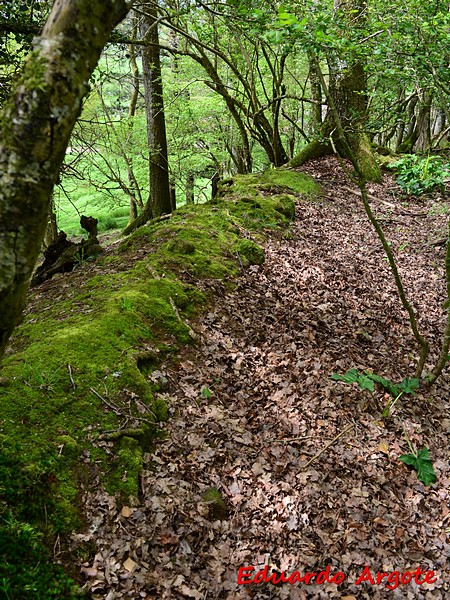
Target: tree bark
[35,127]
[190,181]
[131,114]
[159,198]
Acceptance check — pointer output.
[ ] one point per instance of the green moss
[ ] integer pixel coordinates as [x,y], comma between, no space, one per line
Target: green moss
[366,159]
[68,445]
[124,480]
[217,506]
[285,205]
[161,409]
[314,149]
[181,246]
[250,253]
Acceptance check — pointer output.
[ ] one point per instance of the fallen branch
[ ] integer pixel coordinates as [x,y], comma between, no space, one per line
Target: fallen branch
[316,456]
[127,432]
[119,412]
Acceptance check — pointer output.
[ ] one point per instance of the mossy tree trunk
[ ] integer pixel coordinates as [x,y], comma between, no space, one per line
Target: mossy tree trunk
[418,135]
[35,126]
[349,94]
[348,88]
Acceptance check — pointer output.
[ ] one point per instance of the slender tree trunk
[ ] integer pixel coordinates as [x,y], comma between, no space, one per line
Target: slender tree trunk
[131,114]
[190,180]
[316,95]
[173,195]
[159,198]
[35,127]
[51,231]
[408,138]
[215,185]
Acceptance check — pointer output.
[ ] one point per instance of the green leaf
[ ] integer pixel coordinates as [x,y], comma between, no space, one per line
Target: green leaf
[206,393]
[422,464]
[408,386]
[409,459]
[390,387]
[353,376]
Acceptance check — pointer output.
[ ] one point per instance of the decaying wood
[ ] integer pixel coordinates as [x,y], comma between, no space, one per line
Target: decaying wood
[63,255]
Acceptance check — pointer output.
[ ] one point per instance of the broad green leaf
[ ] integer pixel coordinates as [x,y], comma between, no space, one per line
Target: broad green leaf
[390,387]
[409,459]
[353,376]
[422,464]
[206,393]
[408,386]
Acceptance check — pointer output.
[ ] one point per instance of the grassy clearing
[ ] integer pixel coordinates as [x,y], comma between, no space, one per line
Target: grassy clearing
[90,344]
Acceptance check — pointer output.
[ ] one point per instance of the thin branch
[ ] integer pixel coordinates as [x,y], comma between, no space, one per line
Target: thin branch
[316,456]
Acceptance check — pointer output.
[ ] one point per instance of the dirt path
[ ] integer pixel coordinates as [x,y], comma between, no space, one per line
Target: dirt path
[322,302]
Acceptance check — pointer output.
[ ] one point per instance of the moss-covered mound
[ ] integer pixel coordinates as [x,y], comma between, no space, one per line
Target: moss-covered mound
[78,402]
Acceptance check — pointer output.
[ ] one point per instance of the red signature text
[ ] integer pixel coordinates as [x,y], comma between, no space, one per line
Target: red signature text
[391,580]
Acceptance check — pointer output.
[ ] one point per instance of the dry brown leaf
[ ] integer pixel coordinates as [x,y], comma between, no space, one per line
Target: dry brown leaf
[130,565]
[383,447]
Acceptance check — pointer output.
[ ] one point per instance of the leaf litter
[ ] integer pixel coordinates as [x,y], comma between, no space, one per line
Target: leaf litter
[307,468]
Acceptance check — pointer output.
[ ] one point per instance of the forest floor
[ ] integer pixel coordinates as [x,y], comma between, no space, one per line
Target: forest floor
[307,467]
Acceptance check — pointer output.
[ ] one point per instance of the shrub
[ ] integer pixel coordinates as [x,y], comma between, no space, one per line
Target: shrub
[416,175]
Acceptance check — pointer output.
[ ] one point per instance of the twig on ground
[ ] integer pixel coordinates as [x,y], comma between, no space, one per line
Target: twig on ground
[70,375]
[316,456]
[111,406]
[118,411]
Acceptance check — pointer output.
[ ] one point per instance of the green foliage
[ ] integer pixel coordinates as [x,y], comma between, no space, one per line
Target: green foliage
[421,463]
[206,392]
[25,571]
[353,376]
[367,379]
[107,223]
[417,175]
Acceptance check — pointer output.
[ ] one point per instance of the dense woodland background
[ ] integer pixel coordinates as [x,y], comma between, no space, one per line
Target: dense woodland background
[241,92]
[204,130]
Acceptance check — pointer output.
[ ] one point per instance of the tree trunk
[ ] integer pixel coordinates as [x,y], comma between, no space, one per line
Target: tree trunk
[173,195]
[131,114]
[159,198]
[349,95]
[51,231]
[215,185]
[423,126]
[35,127]
[190,180]
[316,95]
[348,89]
